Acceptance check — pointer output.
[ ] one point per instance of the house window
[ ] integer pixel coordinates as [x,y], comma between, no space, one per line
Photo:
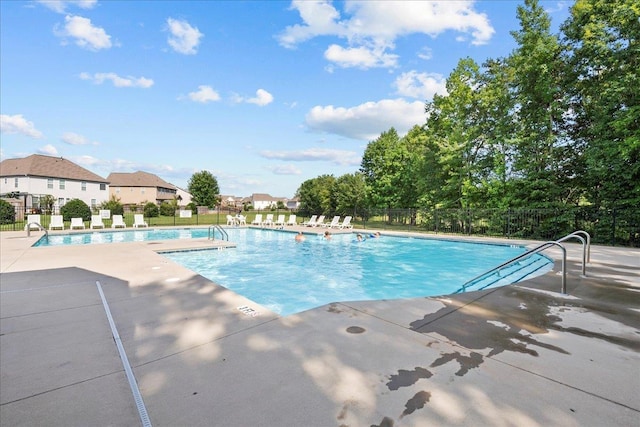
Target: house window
[142,190]
[103,187]
[93,203]
[62,184]
[83,186]
[117,190]
[50,183]
[60,202]
[15,182]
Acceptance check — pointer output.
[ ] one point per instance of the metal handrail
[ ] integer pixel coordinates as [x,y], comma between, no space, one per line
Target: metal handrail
[586,247]
[527,254]
[212,232]
[39,226]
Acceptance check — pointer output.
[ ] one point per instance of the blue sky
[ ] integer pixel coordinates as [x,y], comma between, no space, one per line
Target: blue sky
[262,94]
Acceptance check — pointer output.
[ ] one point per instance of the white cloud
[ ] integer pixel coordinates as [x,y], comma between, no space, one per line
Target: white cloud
[72,138]
[204,94]
[360,57]
[339,157]
[420,85]
[285,170]
[184,38]
[85,34]
[368,120]
[262,98]
[18,124]
[60,6]
[370,28]
[49,150]
[129,81]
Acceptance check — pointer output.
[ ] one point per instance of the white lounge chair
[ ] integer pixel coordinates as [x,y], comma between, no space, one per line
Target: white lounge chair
[335,222]
[77,223]
[33,222]
[138,221]
[96,222]
[312,221]
[319,222]
[231,220]
[292,220]
[279,221]
[346,223]
[268,221]
[257,220]
[57,222]
[118,222]
[241,220]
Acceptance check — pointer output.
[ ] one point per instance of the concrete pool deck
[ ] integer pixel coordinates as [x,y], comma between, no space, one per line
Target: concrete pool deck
[520,355]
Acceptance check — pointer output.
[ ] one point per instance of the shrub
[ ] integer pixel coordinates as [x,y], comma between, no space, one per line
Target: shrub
[7,213]
[75,208]
[193,207]
[151,210]
[167,209]
[113,205]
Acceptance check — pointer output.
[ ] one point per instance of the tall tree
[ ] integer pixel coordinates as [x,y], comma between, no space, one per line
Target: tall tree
[204,189]
[603,43]
[348,194]
[453,123]
[315,195]
[539,107]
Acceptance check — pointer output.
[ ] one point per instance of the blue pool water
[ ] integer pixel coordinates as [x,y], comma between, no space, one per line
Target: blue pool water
[270,268]
[288,277]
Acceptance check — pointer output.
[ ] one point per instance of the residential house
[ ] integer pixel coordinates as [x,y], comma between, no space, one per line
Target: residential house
[139,188]
[183,196]
[261,201]
[292,204]
[30,178]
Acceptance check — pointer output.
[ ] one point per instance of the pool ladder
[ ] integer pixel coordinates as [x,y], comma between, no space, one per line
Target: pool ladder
[586,257]
[46,233]
[212,233]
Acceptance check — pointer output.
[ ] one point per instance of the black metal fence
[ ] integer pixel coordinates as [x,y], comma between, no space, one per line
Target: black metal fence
[614,227]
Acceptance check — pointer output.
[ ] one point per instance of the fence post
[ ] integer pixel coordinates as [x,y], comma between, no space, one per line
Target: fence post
[613,227]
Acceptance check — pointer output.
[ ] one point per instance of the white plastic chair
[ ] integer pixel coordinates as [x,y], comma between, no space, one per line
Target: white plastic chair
[77,223]
[57,222]
[96,222]
[118,222]
[138,221]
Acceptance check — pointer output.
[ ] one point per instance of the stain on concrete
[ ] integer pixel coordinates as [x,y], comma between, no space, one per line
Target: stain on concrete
[466,362]
[333,308]
[355,330]
[416,402]
[386,422]
[406,378]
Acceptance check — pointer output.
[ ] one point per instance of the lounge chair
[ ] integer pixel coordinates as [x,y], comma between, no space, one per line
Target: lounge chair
[241,220]
[96,222]
[118,222]
[138,221]
[231,220]
[334,222]
[33,222]
[346,223]
[292,220]
[311,222]
[77,223]
[279,221]
[319,222]
[257,220]
[268,221]
[57,222]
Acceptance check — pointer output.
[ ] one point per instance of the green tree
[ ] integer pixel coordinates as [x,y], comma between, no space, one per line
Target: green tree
[204,189]
[348,194]
[114,205]
[75,208]
[315,195]
[602,38]
[7,212]
[544,156]
[151,210]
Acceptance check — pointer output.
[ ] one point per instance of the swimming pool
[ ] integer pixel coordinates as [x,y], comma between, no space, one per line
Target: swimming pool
[121,236]
[288,277]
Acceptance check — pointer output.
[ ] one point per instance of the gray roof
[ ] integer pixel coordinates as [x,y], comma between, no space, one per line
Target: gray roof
[38,165]
[138,179]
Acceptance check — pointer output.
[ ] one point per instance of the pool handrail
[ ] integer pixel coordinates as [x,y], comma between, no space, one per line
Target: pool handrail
[586,247]
[527,254]
[212,232]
